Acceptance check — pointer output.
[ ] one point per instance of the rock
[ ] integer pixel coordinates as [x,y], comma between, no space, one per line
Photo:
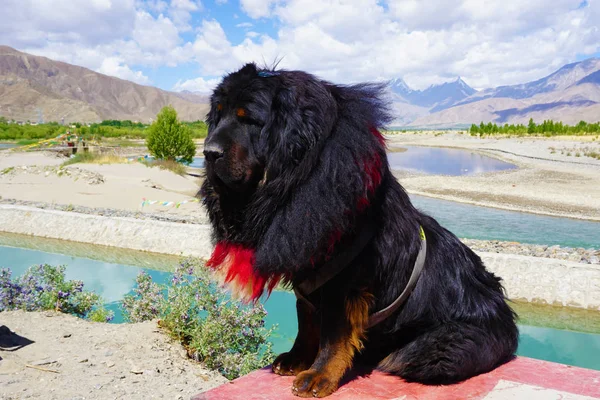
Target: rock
[67,335]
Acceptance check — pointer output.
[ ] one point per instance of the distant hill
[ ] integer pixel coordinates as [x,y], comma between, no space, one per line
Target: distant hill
[410,104]
[33,87]
[570,94]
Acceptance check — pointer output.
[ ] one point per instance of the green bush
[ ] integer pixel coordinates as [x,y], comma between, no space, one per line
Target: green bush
[217,331]
[169,139]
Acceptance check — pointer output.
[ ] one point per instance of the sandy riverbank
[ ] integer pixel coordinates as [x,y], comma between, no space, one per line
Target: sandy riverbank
[69,358]
[546,182]
[38,177]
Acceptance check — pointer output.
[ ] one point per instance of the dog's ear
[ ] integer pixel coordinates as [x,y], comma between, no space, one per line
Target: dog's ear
[302,116]
[248,70]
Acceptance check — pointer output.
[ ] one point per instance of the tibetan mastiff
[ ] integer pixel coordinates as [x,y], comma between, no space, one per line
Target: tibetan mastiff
[298,190]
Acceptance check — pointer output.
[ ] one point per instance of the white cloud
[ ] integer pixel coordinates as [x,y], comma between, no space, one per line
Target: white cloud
[487,42]
[114,66]
[216,55]
[196,85]
[181,12]
[257,8]
[35,22]
[146,41]
[221,2]
[157,6]
[158,34]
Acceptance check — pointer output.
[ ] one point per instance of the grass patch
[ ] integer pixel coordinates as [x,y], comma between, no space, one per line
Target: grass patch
[592,154]
[6,170]
[170,165]
[579,152]
[25,142]
[95,158]
[125,142]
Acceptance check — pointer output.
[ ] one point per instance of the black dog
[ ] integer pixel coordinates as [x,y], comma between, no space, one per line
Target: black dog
[296,173]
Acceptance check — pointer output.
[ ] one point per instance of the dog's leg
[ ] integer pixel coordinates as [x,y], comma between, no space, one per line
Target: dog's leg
[305,348]
[343,323]
[451,353]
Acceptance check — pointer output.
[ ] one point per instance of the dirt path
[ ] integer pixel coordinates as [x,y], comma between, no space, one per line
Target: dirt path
[70,358]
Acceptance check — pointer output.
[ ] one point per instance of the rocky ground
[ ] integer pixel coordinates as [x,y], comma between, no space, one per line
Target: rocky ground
[89,177]
[580,255]
[57,356]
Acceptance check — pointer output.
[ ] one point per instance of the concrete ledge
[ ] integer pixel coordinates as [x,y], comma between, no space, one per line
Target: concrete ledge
[531,279]
[523,378]
[130,233]
[547,280]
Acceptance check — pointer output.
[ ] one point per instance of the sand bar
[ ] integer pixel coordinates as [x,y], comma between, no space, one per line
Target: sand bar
[546,182]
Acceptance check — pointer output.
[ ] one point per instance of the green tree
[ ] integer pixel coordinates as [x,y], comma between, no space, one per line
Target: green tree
[169,139]
[531,126]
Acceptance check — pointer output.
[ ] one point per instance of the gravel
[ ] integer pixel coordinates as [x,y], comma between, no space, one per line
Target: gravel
[64,357]
[579,255]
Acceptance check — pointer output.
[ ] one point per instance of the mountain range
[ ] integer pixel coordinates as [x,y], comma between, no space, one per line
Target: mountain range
[570,94]
[36,88]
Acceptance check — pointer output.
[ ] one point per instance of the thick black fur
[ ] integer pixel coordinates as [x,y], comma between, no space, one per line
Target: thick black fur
[287,176]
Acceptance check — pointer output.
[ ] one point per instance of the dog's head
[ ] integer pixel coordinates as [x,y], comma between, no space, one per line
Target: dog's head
[264,123]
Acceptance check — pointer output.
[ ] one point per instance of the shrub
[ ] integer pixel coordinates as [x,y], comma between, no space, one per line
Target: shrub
[95,158]
[169,139]
[146,302]
[44,287]
[221,333]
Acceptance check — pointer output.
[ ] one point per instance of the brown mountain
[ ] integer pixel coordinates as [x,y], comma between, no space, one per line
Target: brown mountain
[571,94]
[34,87]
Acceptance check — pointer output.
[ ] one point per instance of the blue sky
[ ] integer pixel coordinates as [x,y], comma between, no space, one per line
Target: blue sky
[190,44]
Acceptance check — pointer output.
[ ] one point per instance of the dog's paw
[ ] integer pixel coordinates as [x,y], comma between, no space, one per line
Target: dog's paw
[289,364]
[312,383]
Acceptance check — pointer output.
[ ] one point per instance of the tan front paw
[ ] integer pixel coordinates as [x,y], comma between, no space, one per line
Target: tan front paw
[289,364]
[312,383]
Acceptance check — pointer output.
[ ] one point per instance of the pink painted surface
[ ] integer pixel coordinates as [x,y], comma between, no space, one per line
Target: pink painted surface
[263,384]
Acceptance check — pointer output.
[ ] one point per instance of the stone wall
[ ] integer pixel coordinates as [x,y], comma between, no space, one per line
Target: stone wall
[137,234]
[526,278]
[547,280]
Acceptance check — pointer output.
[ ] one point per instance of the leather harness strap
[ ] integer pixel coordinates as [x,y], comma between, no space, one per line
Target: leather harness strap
[381,315]
[335,266]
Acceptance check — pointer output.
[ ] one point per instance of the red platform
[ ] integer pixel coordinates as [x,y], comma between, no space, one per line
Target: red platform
[523,378]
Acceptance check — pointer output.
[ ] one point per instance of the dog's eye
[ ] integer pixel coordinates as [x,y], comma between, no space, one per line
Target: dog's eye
[240,112]
[219,106]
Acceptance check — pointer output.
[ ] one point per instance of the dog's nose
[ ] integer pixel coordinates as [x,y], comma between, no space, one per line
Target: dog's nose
[212,152]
